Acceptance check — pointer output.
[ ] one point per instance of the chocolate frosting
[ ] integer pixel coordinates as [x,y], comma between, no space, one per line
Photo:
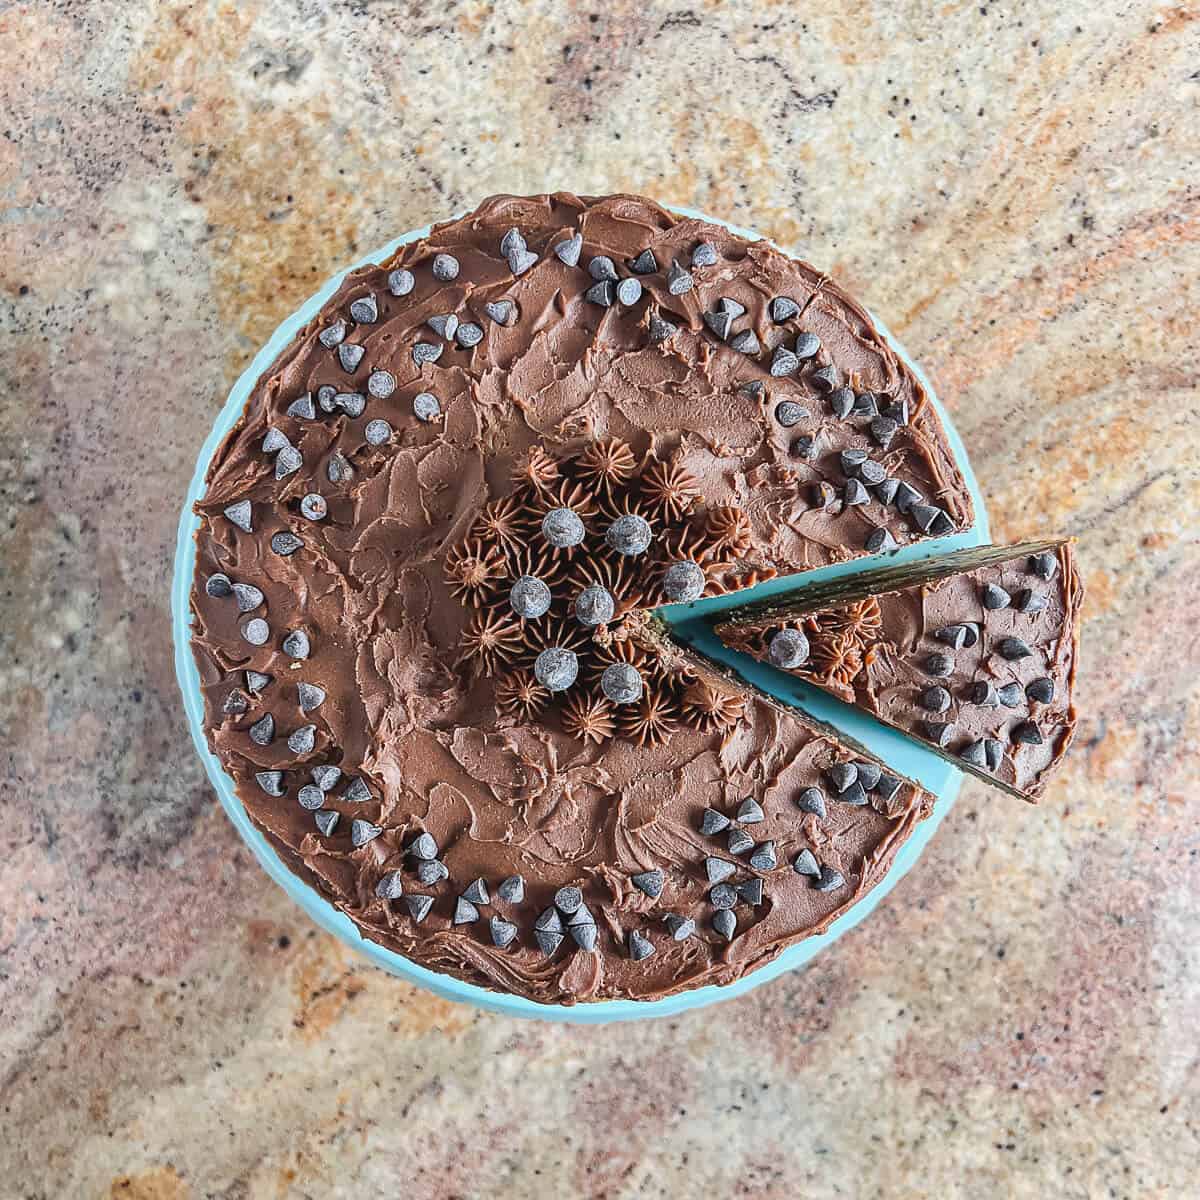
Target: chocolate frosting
[387,595]
[873,650]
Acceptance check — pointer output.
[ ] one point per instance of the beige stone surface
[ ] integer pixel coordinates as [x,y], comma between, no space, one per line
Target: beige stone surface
[1013,187]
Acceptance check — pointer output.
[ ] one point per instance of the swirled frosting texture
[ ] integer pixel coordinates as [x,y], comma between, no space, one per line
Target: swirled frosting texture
[428,738]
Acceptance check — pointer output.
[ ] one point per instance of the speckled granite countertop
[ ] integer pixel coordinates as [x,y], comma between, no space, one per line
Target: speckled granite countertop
[1015,194]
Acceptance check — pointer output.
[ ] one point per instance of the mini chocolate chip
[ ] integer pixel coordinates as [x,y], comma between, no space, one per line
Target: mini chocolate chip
[955,636]
[327,397]
[423,846]
[842,775]
[880,541]
[235,704]
[935,699]
[939,732]
[239,514]
[594,606]
[362,832]
[994,752]
[713,822]
[645,263]
[547,943]
[750,812]
[529,597]
[326,776]
[883,430]
[719,322]
[256,631]
[855,795]
[974,753]
[303,739]
[825,379]
[381,384]
[855,494]
[256,681]
[678,280]
[1011,695]
[350,355]
[805,863]
[400,282]
[218,586]
[477,892]
[621,683]
[649,882]
[994,597]
[897,411]
[351,403]
[338,469]
[805,447]
[683,582]
[807,344]
[906,497]
[445,267]
[468,334]
[751,891]
[745,342]
[465,913]
[722,895]
[549,921]
[1043,565]
[869,774]
[829,880]
[1014,648]
[886,491]
[561,527]
[602,267]
[1030,602]
[501,311]
[390,886]
[377,432]
[512,240]
[271,782]
[871,472]
[432,873]
[1027,733]
[680,928]
[358,791]
[823,494]
[309,696]
[333,335]
[704,255]
[445,325]
[313,507]
[924,515]
[426,352]
[512,889]
[939,665]
[739,841]
[851,461]
[725,923]
[1041,690]
[364,310]
[812,801]
[519,261]
[568,899]
[602,293]
[841,401]
[287,462]
[727,304]
[502,932]
[788,649]
[717,869]
[660,329]
[983,693]
[789,413]
[865,406]
[629,292]
[783,308]
[296,644]
[783,362]
[568,251]
[556,668]
[629,534]
[426,407]
[763,858]
[326,821]
[887,787]
[418,906]
[311,797]
[640,946]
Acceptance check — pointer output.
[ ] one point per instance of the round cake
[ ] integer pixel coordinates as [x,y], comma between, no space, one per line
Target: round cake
[427,567]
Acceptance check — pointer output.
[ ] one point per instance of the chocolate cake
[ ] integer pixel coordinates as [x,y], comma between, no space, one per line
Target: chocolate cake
[425,559]
[973,653]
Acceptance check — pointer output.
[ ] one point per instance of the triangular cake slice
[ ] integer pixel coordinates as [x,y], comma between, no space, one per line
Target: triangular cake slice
[973,654]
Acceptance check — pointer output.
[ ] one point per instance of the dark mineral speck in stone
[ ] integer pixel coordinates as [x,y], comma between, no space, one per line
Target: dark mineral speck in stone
[426,407]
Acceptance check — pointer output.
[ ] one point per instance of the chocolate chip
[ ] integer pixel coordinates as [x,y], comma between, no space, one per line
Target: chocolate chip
[512,889]
[601,267]
[621,683]
[994,752]
[568,899]
[954,636]
[855,494]
[719,322]
[783,362]
[327,397]
[1043,565]
[865,405]
[501,311]
[311,797]
[465,913]
[594,606]
[805,447]
[218,586]
[883,430]
[783,308]
[789,413]
[823,494]
[556,668]
[825,379]
[994,597]
[854,795]
[602,293]
[426,407]
[886,490]
[338,469]
[869,774]
[271,782]
[358,791]
[629,292]
[1014,648]
[871,472]
[445,325]
[512,240]
[935,699]
[326,821]
[256,631]
[364,310]
[924,515]
[287,462]
[362,832]
[806,864]
[807,344]
[235,704]
[812,801]
[684,581]
[468,335]
[713,822]
[750,812]
[629,534]
[763,858]
[939,732]
[640,946]
[333,335]
[377,432]
[314,506]
[296,644]
[906,496]
[326,776]
[400,282]
[256,681]
[678,280]
[418,906]
[739,841]
[880,541]
[585,936]
[751,891]
[239,515]
[309,696]
[1028,734]
[649,882]
[549,921]
[519,261]
[939,665]
[887,787]
[580,918]
[680,928]
[717,869]
[974,753]
[842,775]
[788,649]
[983,693]
[351,403]
[568,251]
[745,342]
[445,268]
[547,943]
[722,895]
[424,846]
[390,886]
[432,873]
[381,384]
[1041,690]
[841,401]
[725,923]
[829,880]
[502,932]
[1010,695]
[350,355]
[660,329]
[477,892]
[529,597]
[426,352]
[1030,602]
[303,739]
[645,263]
[704,255]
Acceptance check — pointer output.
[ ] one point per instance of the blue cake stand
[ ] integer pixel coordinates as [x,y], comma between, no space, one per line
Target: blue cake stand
[905,756]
